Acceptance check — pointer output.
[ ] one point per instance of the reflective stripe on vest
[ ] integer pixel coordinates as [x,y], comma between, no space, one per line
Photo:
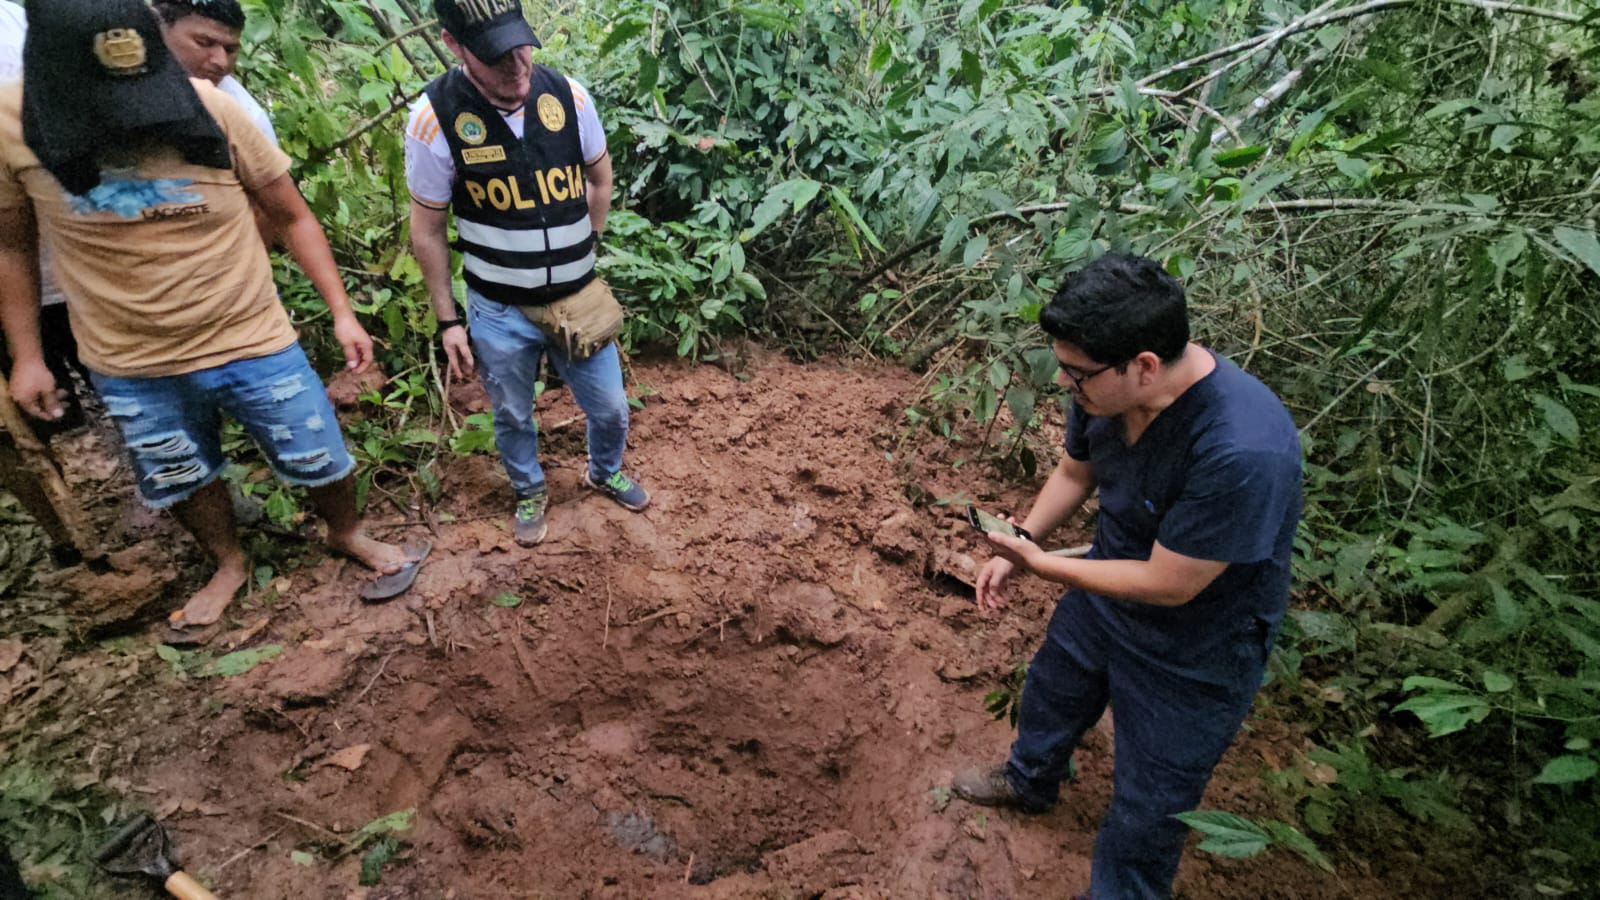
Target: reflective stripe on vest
[529,278]
[523,240]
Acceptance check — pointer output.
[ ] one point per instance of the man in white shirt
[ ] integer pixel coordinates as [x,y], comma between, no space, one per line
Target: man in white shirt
[204,36]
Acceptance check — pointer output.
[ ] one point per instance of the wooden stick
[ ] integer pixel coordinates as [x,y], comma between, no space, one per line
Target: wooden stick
[37,460]
[375,675]
[606,637]
[246,851]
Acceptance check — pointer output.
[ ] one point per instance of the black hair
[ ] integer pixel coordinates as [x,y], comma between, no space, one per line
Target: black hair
[1118,307]
[227,12]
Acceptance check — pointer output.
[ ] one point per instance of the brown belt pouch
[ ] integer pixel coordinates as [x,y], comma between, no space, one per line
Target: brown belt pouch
[584,322]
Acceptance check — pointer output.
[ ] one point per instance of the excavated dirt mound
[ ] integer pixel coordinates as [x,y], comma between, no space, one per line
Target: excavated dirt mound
[757,687]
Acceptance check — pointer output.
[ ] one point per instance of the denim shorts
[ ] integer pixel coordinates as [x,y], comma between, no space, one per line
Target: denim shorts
[172,425]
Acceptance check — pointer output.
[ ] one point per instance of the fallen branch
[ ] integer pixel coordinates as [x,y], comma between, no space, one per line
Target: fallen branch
[375,675]
[655,615]
[1315,20]
[37,460]
[248,850]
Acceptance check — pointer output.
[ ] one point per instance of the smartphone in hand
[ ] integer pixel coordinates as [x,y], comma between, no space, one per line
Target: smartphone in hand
[986,523]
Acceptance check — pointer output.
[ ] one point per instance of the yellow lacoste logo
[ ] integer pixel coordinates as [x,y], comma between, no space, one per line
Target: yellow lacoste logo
[470,129]
[474,155]
[120,51]
[551,113]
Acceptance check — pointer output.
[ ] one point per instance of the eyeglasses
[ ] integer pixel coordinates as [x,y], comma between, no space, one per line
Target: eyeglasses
[1078,379]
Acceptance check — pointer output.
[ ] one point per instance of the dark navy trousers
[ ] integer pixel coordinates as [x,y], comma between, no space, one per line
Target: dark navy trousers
[1175,713]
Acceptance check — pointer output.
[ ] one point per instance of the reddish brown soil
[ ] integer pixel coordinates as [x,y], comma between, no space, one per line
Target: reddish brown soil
[755,688]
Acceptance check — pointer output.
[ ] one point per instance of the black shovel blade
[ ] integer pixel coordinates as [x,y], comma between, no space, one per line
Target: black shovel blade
[138,848]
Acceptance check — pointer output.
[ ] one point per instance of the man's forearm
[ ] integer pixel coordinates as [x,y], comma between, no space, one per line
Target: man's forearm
[430,245]
[1063,494]
[599,205]
[1124,579]
[19,304]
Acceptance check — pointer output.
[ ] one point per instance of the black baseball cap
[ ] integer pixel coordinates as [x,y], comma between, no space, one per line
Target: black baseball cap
[96,68]
[489,28]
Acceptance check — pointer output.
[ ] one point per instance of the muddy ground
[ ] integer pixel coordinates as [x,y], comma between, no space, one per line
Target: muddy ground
[758,687]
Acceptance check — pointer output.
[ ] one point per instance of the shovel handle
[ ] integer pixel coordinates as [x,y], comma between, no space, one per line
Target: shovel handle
[183,887]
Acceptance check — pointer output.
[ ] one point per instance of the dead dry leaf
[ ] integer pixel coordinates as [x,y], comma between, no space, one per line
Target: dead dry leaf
[10,653]
[350,758]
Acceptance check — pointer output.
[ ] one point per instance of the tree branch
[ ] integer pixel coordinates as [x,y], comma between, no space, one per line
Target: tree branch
[1316,20]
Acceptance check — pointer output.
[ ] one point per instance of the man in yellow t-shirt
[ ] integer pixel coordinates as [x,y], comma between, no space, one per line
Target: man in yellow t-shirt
[140,182]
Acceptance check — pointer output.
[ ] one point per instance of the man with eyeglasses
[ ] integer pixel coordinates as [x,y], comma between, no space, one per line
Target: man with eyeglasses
[1171,617]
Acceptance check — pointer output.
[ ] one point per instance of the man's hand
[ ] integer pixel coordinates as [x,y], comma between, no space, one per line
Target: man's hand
[34,389]
[457,351]
[356,342]
[994,583]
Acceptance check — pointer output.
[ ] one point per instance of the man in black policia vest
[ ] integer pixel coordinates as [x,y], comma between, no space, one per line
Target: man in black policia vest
[517,152]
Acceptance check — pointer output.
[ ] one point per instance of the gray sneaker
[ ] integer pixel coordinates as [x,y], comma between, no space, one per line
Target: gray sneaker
[618,487]
[991,787]
[528,525]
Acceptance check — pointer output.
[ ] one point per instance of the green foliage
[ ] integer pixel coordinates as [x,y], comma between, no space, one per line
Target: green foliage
[1236,837]
[1004,701]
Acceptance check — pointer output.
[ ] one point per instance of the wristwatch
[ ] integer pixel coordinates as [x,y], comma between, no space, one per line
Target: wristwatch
[449,323]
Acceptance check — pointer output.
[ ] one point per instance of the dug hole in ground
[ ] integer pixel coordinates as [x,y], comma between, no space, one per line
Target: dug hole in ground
[758,687]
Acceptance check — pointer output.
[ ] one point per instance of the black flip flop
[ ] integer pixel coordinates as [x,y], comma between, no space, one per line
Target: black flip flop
[386,587]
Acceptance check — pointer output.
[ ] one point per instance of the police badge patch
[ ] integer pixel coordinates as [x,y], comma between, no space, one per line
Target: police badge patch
[470,129]
[550,112]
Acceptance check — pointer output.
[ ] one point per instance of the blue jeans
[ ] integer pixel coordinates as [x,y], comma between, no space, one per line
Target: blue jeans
[172,425]
[509,347]
[1171,729]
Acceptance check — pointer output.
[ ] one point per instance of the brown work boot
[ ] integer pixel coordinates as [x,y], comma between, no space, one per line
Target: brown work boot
[991,787]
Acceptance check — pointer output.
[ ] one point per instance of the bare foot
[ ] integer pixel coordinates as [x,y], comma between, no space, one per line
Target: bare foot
[382,558]
[209,603]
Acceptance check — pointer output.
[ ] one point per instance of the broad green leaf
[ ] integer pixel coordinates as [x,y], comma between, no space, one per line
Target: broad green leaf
[1580,243]
[972,72]
[1226,834]
[954,233]
[1558,417]
[1021,400]
[785,198]
[1496,682]
[1260,187]
[1424,682]
[169,653]
[241,661]
[1567,770]
[1503,137]
[977,245]
[649,71]
[302,858]
[1239,157]
[395,821]
[751,285]
[1289,836]
[1586,644]
[881,55]
[506,599]
[1446,713]
[620,32]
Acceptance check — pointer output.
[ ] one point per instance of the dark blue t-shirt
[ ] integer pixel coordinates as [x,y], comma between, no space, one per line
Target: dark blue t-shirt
[1215,476]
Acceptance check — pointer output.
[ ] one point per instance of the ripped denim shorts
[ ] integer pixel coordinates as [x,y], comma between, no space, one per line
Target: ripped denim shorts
[172,425]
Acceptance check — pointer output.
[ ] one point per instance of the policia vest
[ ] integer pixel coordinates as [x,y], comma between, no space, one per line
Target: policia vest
[522,217]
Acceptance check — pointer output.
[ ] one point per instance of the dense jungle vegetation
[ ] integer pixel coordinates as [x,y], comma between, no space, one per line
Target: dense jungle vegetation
[1385,209]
